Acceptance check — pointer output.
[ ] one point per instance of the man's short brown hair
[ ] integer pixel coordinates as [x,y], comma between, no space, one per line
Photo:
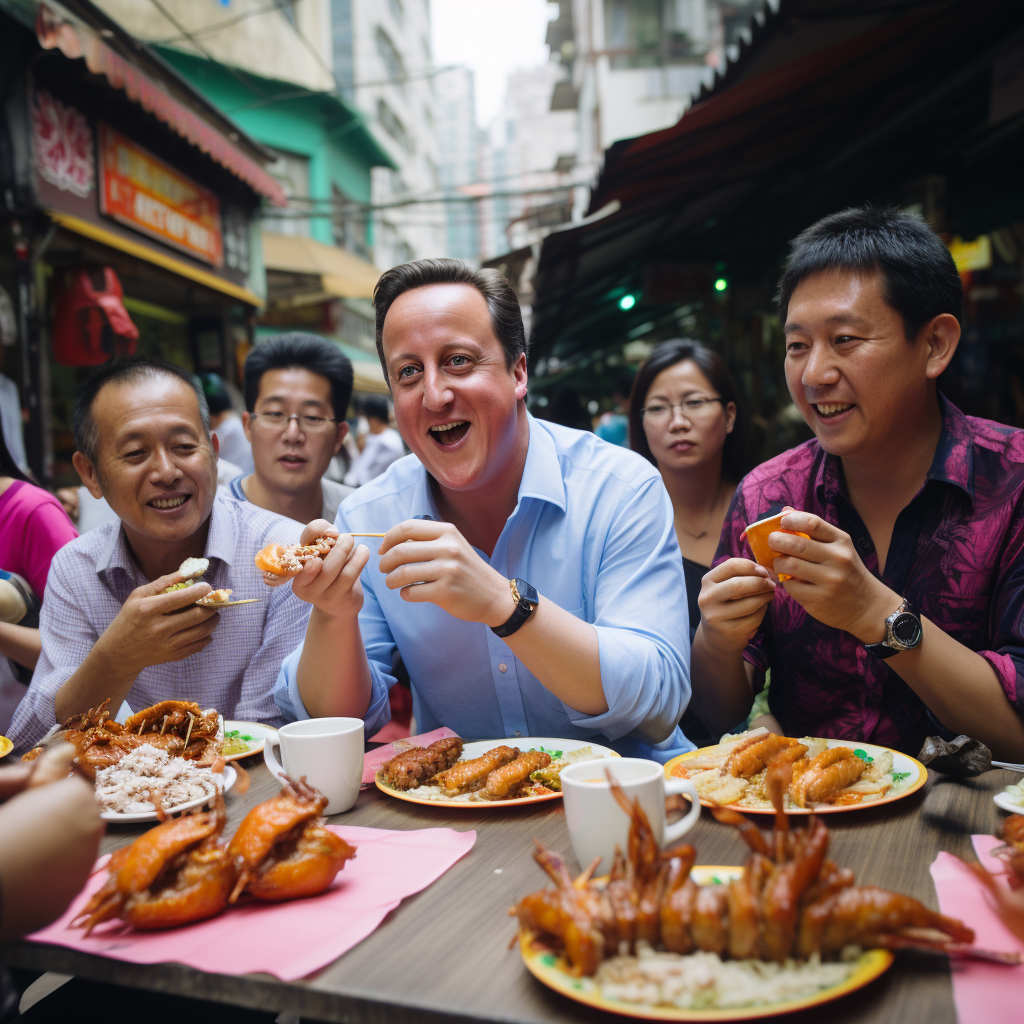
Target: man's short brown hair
[502,304]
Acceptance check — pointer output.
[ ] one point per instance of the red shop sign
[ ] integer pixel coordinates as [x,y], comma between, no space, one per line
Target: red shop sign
[148,195]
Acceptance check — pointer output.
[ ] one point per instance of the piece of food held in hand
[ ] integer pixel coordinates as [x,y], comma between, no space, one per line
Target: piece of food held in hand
[790,905]
[281,560]
[735,772]
[283,849]
[193,569]
[757,537]
[182,871]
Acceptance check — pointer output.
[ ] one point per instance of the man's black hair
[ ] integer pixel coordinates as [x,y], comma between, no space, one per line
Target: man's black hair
[297,350]
[919,278]
[377,407]
[502,304]
[132,368]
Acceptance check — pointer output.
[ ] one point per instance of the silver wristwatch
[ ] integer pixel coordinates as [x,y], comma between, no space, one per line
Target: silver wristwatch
[902,632]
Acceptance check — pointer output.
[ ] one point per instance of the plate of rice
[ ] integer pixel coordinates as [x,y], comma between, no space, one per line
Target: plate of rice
[700,986]
[125,790]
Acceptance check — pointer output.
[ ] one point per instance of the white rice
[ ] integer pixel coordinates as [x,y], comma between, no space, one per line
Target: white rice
[127,787]
[704,981]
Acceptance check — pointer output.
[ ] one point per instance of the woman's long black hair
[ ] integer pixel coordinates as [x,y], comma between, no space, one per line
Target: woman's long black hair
[8,467]
[711,364]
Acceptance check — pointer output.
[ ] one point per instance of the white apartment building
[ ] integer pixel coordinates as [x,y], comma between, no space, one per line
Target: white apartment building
[383,63]
[459,140]
[630,67]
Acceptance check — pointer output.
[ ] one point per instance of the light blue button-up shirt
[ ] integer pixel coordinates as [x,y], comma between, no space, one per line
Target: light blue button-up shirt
[592,530]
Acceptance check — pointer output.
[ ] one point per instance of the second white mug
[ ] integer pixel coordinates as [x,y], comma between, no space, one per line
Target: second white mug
[597,824]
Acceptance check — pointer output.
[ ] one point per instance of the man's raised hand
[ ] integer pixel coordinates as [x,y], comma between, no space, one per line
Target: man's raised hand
[830,581]
[153,628]
[733,599]
[331,584]
[433,562]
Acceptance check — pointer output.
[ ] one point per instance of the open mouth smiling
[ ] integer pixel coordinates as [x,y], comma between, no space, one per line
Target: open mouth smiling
[447,434]
[827,410]
[168,504]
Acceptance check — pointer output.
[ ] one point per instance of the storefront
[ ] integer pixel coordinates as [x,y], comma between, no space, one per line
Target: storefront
[132,220]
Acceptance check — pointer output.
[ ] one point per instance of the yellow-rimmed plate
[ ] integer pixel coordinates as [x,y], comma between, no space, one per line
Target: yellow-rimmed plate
[550,969]
[480,747]
[6,746]
[915,776]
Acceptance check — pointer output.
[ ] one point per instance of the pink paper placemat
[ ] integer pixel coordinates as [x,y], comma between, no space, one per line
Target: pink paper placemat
[288,940]
[984,993]
[375,758]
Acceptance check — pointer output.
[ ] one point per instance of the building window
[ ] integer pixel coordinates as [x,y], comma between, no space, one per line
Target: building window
[292,171]
[389,55]
[393,126]
[638,36]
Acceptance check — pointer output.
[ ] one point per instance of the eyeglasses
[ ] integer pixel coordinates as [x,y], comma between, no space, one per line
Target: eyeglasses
[279,421]
[658,412]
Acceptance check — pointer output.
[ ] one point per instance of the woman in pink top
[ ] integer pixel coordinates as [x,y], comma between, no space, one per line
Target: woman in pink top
[33,528]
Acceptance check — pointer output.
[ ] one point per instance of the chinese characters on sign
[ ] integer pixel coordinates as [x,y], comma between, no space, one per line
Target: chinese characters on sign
[146,194]
[62,140]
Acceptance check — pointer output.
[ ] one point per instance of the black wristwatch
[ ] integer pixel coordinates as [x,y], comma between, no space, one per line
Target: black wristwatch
[526,599]
[902,632]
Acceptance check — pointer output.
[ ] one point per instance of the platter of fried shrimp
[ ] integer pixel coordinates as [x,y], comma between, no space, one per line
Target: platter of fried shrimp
[484,773]
[829,775]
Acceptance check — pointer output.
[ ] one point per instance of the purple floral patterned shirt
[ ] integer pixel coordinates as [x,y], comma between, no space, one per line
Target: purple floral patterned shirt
[955,553]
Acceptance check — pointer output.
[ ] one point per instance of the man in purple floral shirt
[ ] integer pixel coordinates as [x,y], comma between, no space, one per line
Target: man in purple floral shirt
[904,615]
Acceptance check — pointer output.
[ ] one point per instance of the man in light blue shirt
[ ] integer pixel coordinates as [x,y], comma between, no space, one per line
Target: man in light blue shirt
[544,596]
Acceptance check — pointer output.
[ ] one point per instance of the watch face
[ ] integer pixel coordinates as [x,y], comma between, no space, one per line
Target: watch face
[526,592]
[907,630]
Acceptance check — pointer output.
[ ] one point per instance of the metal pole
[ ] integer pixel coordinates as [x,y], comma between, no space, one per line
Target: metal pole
[31,355]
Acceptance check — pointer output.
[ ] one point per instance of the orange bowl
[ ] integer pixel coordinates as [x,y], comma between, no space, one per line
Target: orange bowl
[757,537]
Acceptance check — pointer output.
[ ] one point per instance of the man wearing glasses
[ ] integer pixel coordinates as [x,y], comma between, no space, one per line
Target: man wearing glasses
[297,389]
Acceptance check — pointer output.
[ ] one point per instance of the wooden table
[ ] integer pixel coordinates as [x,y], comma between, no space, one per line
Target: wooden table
[443,954]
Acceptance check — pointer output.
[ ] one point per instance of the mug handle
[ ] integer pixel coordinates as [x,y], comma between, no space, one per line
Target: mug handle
[270,760]
[682,787]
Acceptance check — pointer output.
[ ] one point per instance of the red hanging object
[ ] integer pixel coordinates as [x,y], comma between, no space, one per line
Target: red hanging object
[90,323]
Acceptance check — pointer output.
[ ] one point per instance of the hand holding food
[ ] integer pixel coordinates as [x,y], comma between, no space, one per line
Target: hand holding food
[733,599]
[155,627]
[829,579]
[324,569]
[431,561]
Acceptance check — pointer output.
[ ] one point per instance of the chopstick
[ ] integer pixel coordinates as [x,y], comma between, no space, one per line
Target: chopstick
[366,534]
[1008,764]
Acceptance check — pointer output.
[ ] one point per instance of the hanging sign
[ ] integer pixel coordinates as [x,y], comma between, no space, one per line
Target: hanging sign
[140,190]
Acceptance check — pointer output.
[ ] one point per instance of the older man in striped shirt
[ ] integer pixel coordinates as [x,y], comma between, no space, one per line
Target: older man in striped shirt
[108,629]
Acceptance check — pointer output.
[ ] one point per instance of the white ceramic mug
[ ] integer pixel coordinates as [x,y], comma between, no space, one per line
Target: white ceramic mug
[328,751]
[597,824]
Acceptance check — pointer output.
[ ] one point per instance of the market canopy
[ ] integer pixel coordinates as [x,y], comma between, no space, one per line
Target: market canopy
[831,104]
[341,274]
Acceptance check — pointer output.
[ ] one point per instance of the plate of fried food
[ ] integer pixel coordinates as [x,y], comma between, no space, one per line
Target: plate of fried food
[484,773]
[828,776]
[664,939]
[183,870]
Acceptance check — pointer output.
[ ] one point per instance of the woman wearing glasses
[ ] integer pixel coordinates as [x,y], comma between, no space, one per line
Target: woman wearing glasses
[685,417]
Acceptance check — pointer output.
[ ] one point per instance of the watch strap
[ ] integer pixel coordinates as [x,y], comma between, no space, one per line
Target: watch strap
[523,610]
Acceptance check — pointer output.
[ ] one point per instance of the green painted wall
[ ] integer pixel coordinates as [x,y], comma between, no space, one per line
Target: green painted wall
[323,128]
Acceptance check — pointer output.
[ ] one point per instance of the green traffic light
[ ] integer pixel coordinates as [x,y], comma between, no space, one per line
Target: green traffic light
[627,302]
[721,284]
